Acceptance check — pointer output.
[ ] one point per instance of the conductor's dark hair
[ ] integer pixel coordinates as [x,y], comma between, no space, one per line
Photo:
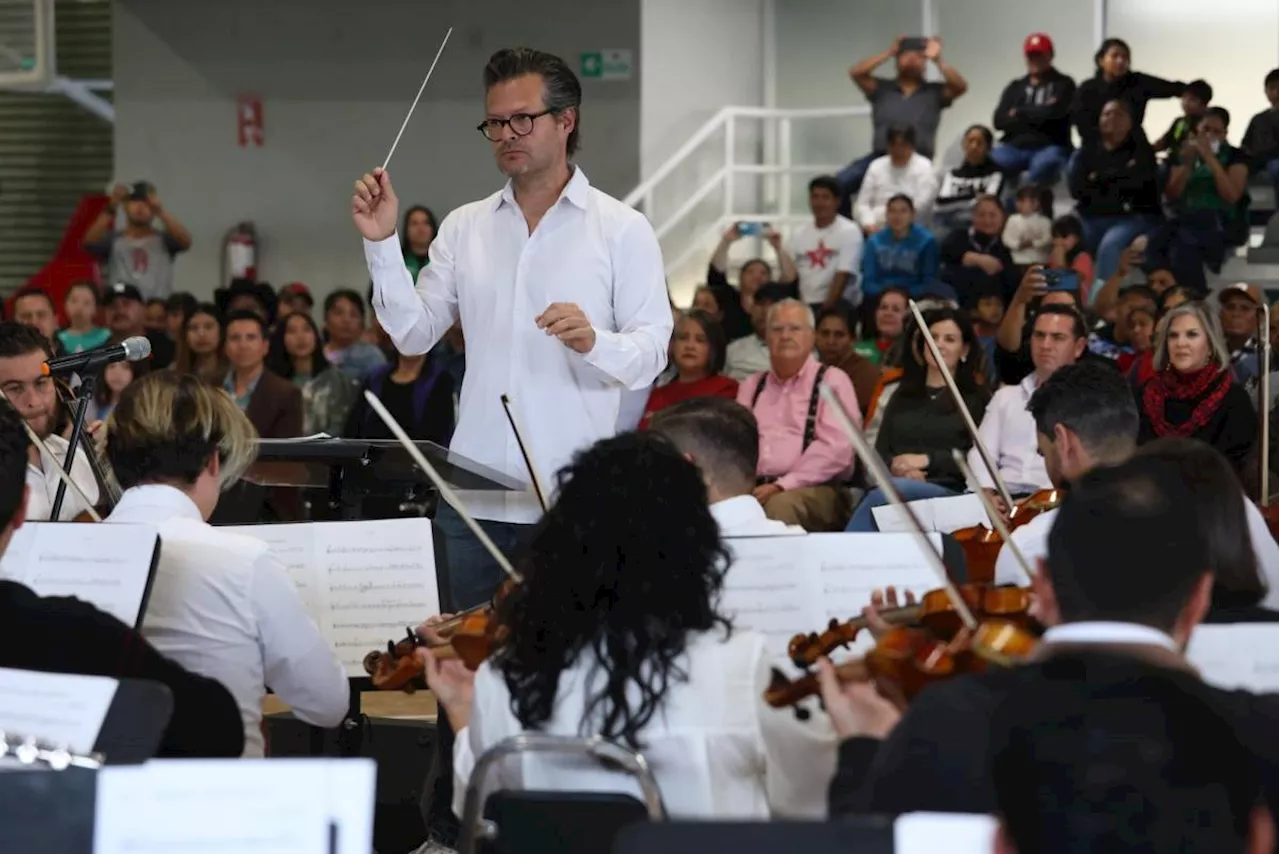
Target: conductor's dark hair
[623,568]
[561,89]
[19,339]
[720,434]
[1127,545]
[13,462]
[1092,400]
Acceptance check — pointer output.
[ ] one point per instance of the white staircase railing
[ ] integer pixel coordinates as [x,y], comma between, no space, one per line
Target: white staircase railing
[727,172]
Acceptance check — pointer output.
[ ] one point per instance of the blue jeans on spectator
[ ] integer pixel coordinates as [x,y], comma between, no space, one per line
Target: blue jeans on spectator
[863,522]
[1042,165]
[1191,241]
[473,575]
[1107,236]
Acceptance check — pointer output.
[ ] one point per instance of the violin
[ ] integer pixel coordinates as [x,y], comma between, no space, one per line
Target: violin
[935,613]
[910,659]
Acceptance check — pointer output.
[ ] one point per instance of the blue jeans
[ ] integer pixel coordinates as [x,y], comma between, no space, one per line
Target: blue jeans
[473,575]
[1042,165]
[1107,236]
[910,490]
[1273,170]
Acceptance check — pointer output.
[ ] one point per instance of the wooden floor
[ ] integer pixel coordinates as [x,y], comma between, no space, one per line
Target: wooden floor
[420,705]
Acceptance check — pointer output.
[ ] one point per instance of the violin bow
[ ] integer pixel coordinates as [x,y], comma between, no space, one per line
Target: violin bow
[444,489]
[57,469]
[990,465]
[997,521]
[538,489]
[880,474]
[1264,402]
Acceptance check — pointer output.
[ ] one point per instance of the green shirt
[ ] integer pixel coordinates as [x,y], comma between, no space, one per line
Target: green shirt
[78,342]
[1201,191]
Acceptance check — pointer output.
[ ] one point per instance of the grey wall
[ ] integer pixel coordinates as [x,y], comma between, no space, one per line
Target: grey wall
[335,78]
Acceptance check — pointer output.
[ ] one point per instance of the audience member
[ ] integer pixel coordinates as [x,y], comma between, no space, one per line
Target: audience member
[34,307]
[752,275]
[974,259]
[1110,337]
[138,254]
[907,100]
[883,326]
[1195,100]
[247,295]
[1114,183]
[1013,354]
[835,348]
[900,172]
[155,317]
[1135,362]
[124,303]
[82,332]
[416,391]
[1067,254]
[1238,314]
[1113,80]
[698,353]
[297,354]
[1207,188]
[750,355]
[1034,114]
[295,298]
[177,308]
[344,324]
[977,175]
[921,425]
[1192,393]
[1261,142]
[827,251]
[418,230]
[805,457]
[901,255]
[115,378]
[1007,429]
[1028,233]
[200,352]
[706,301]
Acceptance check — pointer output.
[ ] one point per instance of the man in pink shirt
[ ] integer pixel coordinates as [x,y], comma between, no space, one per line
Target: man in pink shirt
[805,458]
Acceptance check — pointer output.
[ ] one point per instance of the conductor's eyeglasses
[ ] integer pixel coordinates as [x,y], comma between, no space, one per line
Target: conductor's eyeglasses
[521,124]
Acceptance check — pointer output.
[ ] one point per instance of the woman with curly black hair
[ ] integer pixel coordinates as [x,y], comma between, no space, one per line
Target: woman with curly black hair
[617,631]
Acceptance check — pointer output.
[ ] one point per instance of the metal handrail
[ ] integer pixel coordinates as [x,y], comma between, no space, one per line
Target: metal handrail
[474,829]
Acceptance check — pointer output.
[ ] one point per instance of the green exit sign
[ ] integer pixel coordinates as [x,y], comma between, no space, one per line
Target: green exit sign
[605,65]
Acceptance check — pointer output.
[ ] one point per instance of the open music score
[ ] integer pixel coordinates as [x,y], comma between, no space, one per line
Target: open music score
[1237,656]
[273,806]
[783,586]
[109,566]
[362,582]
[59,708]
[943,515]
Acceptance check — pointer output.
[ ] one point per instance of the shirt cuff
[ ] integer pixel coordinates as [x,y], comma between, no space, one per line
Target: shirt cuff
[789,482]
[609,355]
[384,253]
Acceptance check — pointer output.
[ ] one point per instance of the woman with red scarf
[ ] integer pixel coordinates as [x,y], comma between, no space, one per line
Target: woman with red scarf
[1192,393]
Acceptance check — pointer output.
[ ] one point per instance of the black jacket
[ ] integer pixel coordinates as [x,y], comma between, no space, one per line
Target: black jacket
[1033,115]
[1116,182]
[65,635]
[1135,88]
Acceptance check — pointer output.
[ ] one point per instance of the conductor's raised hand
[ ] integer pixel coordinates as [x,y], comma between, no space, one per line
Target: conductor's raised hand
[570,324]
[374,206]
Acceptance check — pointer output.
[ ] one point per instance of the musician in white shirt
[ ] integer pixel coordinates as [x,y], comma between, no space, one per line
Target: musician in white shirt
[616,631]
[722,439]
[1008,431]
[560,290]
[23,353]
[220,604]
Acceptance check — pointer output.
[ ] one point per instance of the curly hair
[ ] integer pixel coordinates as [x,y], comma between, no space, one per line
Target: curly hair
[625,565]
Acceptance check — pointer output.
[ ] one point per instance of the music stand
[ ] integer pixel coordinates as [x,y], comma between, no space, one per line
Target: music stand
[48,811]
[864,834]
[135,723]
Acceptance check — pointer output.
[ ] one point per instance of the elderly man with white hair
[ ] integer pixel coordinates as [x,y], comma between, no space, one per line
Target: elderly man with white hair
[805,458]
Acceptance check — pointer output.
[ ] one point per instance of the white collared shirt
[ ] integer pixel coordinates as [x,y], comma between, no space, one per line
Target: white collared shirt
[742,516]
[1033,540]
[223,607]
[487,270]
[43,483]
[709,745]
[1008,433]
[1108,632]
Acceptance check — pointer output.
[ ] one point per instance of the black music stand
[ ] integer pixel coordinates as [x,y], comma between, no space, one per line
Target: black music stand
[864,834]
[84,394]
[135,723]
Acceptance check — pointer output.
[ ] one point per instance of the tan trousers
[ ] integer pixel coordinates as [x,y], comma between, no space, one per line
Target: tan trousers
[814,508]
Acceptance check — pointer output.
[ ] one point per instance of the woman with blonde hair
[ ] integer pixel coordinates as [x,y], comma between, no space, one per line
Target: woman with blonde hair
[220,604]
[1192,394]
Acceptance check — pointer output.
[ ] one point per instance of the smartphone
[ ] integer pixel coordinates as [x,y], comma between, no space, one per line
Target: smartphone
[914,43]
[1061,280]
[750,229]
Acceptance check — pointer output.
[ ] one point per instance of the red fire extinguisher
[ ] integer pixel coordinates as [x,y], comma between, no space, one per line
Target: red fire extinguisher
[240,253]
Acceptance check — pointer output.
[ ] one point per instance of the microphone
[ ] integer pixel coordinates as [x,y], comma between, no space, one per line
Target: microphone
[133,349]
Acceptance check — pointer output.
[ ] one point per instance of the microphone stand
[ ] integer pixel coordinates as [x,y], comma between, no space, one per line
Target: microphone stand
[83,395]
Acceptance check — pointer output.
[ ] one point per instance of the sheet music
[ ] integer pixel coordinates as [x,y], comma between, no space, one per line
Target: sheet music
[783,586]
[275,806]
[943,515]
[106,565]
[362,582]
[1238,656]
[60,708]
[954,833]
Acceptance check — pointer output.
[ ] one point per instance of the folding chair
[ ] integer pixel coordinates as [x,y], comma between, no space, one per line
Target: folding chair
[565,822]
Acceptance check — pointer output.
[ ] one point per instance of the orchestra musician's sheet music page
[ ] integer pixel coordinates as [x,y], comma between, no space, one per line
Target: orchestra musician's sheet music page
[59,708]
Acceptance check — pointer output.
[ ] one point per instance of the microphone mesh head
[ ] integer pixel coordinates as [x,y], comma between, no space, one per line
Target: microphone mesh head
[136,348]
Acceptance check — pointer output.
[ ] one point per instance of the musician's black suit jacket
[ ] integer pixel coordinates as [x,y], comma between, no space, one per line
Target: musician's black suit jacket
[936,758]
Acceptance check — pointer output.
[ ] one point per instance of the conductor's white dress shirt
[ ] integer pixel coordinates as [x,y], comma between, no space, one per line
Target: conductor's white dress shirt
[588,249]
[223,607]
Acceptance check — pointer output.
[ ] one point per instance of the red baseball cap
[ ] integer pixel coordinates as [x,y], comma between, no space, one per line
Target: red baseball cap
[1038,43]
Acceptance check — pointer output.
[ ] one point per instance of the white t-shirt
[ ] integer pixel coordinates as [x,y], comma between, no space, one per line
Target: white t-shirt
[820,253]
